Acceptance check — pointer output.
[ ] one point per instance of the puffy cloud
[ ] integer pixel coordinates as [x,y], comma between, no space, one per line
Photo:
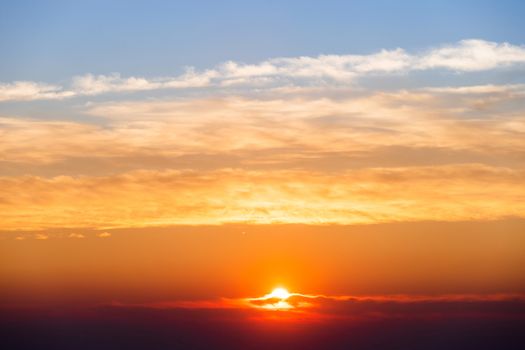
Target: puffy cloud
[465,56]
[94,85]
[472,55]
[103,235]
[29,90]
[76,235]
[90,84]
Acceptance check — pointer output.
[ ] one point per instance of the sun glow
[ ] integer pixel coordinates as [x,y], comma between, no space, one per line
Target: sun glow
[279,293]
[276,300]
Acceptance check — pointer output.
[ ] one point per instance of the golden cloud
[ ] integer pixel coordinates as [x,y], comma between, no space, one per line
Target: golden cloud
[449,154]
[300,125]
[153,198]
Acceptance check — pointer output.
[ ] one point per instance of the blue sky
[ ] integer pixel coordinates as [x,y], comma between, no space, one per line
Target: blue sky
[54,40]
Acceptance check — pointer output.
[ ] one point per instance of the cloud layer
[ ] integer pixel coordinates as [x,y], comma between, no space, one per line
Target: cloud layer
[472,55]
[148,198]
[356,324]
[312,148]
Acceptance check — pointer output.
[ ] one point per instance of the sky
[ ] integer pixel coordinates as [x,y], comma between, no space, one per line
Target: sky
[184,158]
[54,40]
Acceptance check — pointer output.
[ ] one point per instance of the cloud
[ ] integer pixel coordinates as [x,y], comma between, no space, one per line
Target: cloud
[29,90]
[375,307]
[304,154]
[472,55]
[90,84]
[365,158]
[103,235]
[408,307]
[41,236]
[160,198]
[94,85]
[356,324]
[293,130]
[467,325]
[479,89]
[76,235]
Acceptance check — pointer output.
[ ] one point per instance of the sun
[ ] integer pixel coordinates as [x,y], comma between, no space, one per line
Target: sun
[277,299]
[279,293]
[280,299]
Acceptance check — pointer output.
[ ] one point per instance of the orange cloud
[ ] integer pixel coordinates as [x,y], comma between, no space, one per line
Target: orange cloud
[361,158]
[294,127]
[158,198]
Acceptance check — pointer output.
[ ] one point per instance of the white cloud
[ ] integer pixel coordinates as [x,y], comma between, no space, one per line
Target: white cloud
[90,84]
[465,56]
[338,68]
[472,55]
[479,89]
[30,90]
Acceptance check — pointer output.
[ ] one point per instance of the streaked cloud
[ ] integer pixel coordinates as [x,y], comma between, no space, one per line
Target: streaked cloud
[324,308]
[472,55]
[90,84]
[148,198]
[315,152]
[291,129]
[396,306]
[30,90]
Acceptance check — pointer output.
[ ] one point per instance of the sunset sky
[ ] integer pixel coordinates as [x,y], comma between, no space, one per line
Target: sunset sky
[367,156]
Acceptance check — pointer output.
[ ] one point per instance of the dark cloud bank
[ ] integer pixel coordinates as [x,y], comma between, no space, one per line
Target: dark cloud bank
[328,324]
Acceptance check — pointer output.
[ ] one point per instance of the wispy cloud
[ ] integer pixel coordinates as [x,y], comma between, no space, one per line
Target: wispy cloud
[374,307]
[30,90]
[380,307]
[90,84]
[291,130]
[319,153]
[365,158]
[173,197]
[473,55]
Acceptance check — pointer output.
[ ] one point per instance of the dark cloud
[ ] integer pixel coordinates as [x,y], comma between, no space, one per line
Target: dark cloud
[411,324]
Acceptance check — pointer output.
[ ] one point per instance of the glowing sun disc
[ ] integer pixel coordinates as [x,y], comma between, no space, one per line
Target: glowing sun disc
[279,293]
